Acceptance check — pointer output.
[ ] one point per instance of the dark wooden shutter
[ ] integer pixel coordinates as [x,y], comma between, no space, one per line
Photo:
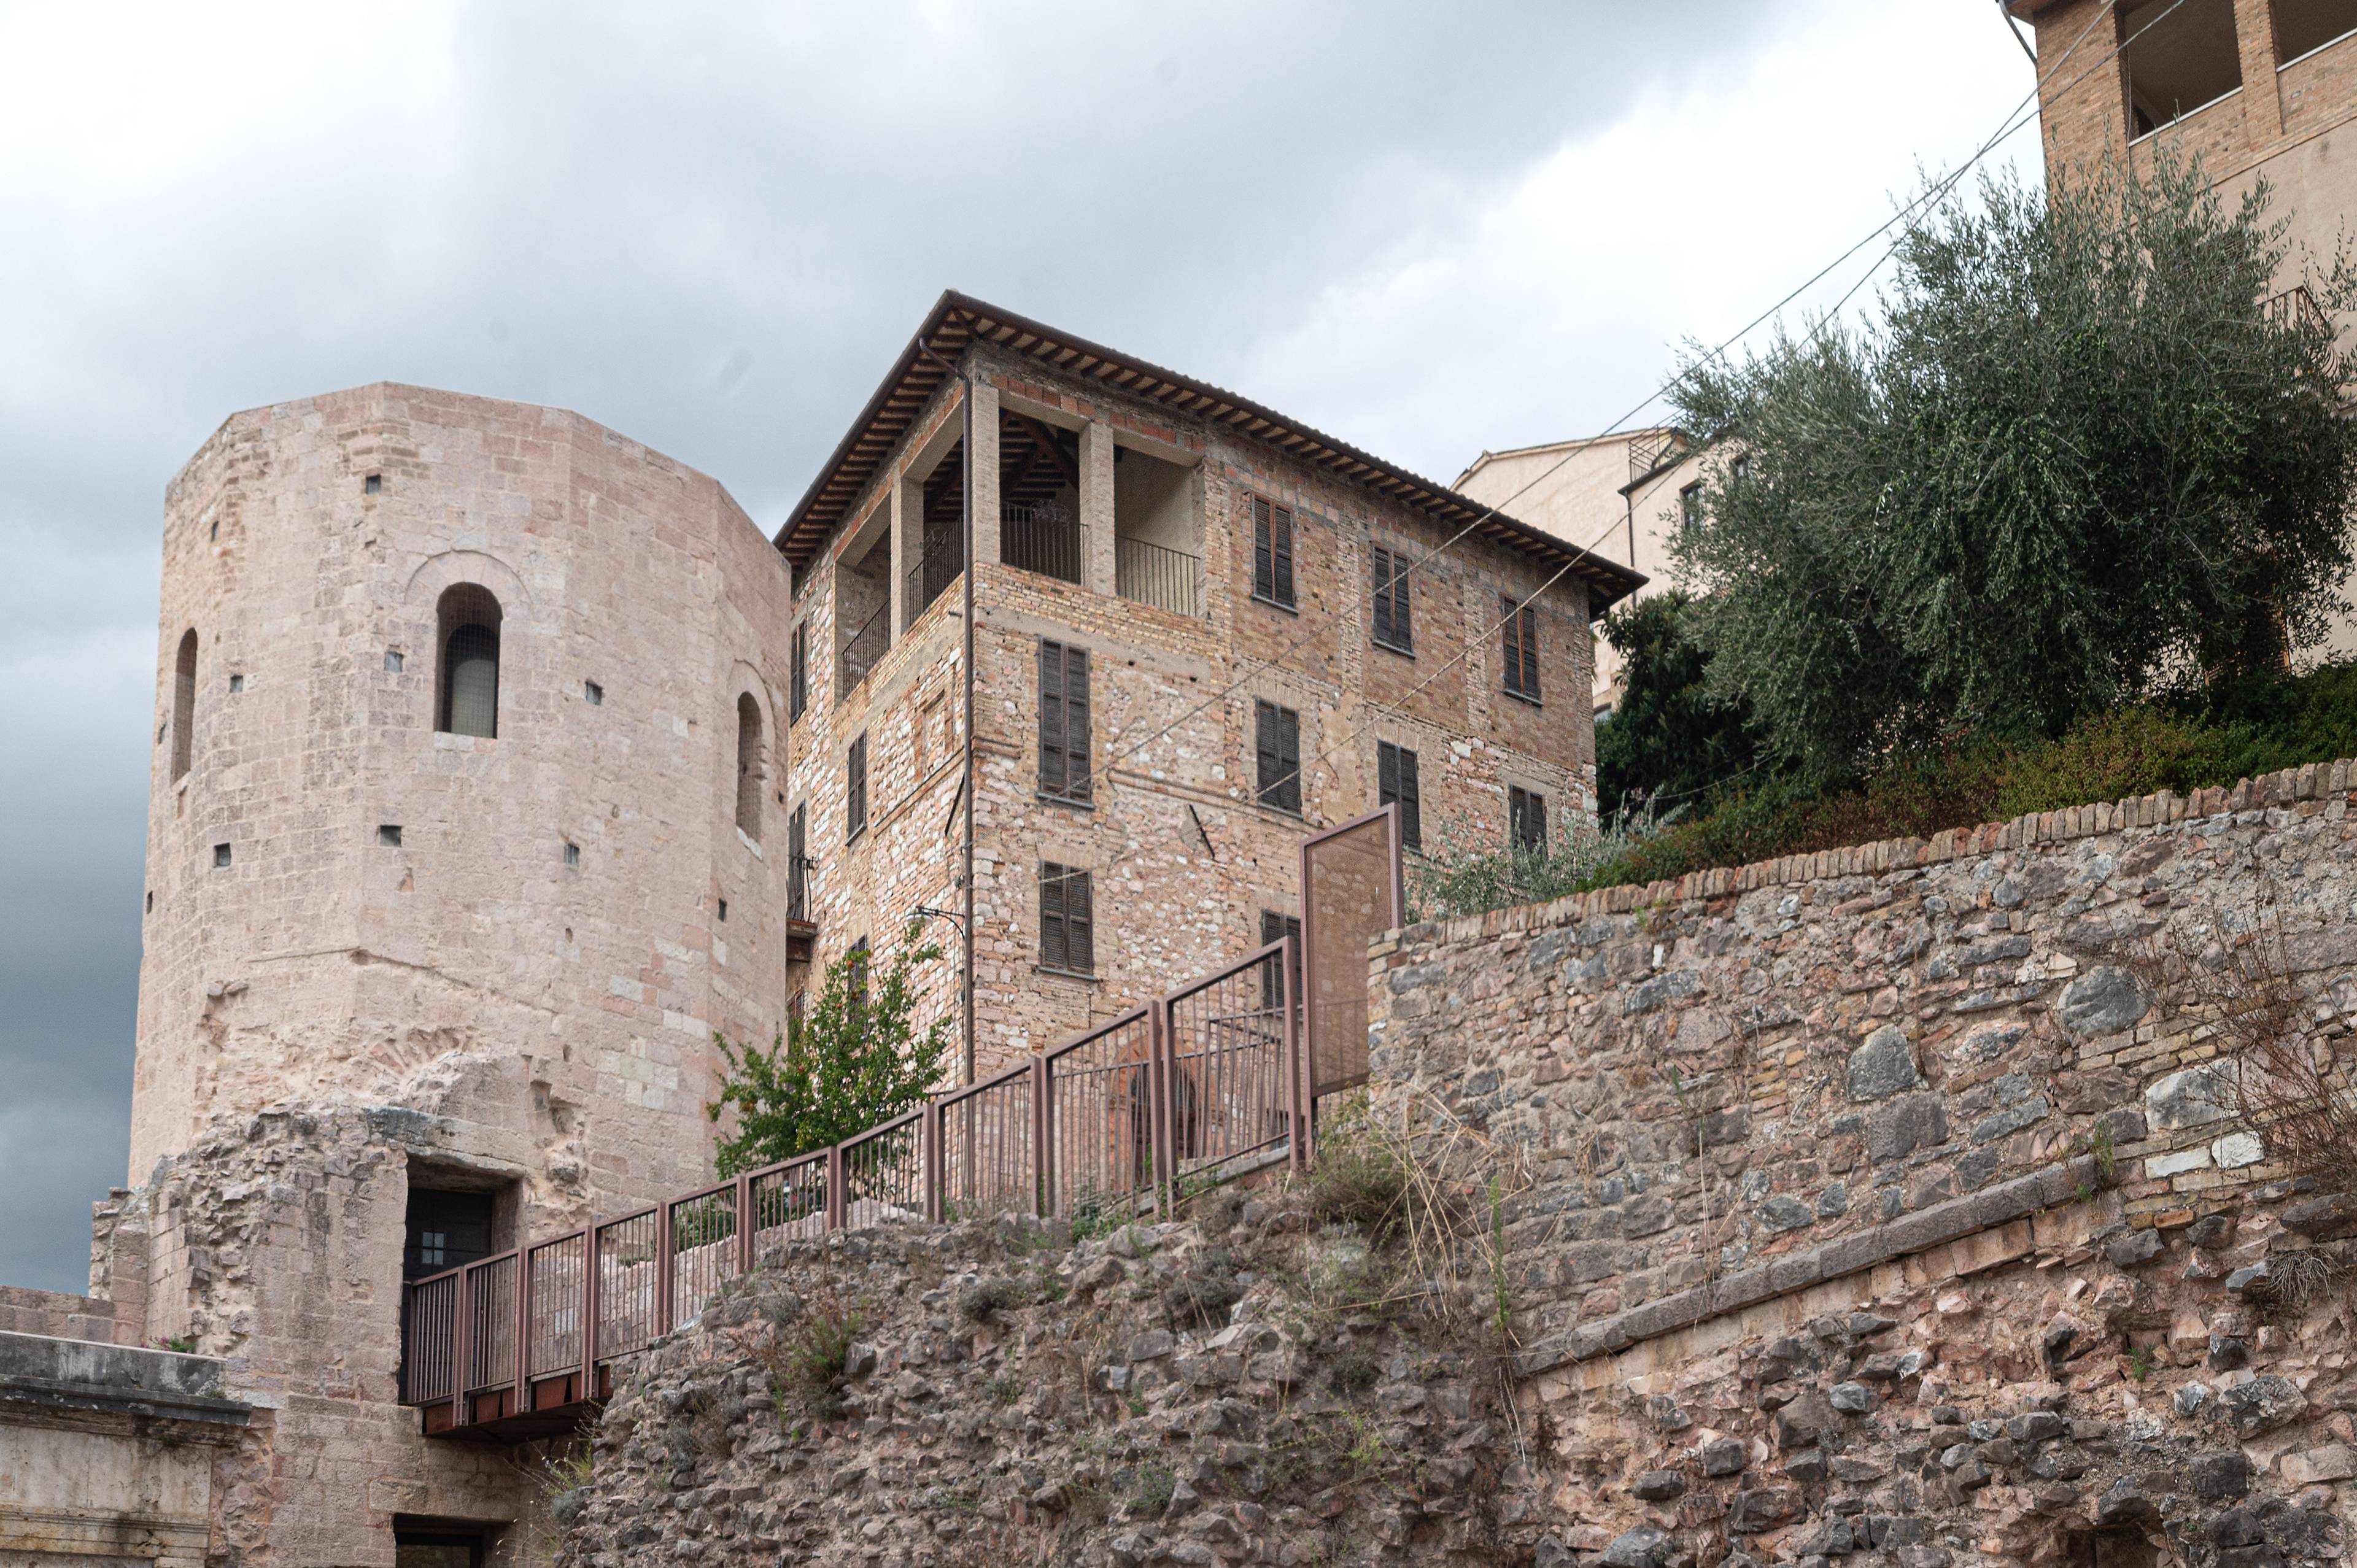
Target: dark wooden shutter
[1288,758]
[1531,650]
[1051,916]
[798,689]
[1512,647]
[1076,723]
[1387,757]
[797,865]
[856,789]
[1280,550]
[1263,563]
[1264,747]
[1051,717]
[1393,626]
[1274,927]
[1080,923]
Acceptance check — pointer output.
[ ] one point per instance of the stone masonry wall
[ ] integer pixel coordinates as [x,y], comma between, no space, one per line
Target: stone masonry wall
[1909,1167]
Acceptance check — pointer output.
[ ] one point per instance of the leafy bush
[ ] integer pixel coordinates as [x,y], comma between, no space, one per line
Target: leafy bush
[857,1060]
[2236,731]
[1669,738]
[1464,870]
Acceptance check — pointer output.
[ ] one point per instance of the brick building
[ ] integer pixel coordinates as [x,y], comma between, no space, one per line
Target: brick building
[500,761]
[1182,663]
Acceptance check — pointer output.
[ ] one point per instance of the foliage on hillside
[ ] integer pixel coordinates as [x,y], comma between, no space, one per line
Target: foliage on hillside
[2237,732]
[855,1061]
[2083,457]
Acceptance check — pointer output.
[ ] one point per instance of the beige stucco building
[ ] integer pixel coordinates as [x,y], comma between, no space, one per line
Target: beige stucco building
[1625,495]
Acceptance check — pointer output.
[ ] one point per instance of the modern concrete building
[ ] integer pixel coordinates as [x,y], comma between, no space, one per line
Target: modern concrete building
[499,762]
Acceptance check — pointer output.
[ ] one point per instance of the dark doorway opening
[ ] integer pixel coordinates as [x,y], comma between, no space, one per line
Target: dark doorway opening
[444,1229]
[416,1549]
[2109,1549]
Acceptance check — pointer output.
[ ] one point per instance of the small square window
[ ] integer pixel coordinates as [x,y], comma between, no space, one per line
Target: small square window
[373,484]
[237,683]
[593,694]
[392,660]
[221,855]
[573,855]
[389,834]
[723,908]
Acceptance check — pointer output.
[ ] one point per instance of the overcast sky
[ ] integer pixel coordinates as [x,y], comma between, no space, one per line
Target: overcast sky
[1426,229]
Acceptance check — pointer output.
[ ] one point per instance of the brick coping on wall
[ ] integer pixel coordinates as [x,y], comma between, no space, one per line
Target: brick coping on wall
[2310,781]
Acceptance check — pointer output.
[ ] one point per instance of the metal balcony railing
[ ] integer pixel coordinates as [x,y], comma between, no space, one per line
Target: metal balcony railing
[931,577]
[866,646]
[1155,574]
[2295,306]
[1045,539]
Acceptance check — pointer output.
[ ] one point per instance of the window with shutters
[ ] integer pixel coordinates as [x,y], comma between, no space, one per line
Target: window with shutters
[857,960]
[467,691]
[748,767]
[1527,817]
[1067,920]
[1276,738]
[1063,721]
[1272,552]
[1275,928]
[798,683]
[797,1008]
[1522,647]
[184,705]
[854,790]
[1395,782]
[1690,510]
[798,863]
[1393,628]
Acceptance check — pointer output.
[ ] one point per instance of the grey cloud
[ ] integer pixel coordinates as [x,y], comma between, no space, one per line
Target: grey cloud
[710,231]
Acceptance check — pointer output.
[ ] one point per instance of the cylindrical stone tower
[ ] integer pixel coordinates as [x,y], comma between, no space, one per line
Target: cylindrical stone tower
[464,839]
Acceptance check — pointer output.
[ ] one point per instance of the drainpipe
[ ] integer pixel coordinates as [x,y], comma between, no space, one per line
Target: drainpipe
[965,785]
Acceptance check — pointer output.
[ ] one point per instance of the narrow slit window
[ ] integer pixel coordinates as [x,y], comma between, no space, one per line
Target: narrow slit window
[1067,920]
[1395,784]
[1276,738]
[1063,721]
[184,705]
[468,640]
[748,767]
[1272,552]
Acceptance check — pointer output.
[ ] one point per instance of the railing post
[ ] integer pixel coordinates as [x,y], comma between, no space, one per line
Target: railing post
[1296,1093]
[589,1307]
[838,1201]
[1158,1094]
[662,1268]
[524,1331]
[1042,1117]
[931,1137]
[744,1223]
[462,1350]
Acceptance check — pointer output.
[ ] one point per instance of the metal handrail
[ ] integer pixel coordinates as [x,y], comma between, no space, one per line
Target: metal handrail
[866,646]
[1043,539]
[1208,1073]
[1150,574]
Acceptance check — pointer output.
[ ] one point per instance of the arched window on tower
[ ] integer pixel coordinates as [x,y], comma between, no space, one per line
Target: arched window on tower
[467,684]
[184,705]
[748,766]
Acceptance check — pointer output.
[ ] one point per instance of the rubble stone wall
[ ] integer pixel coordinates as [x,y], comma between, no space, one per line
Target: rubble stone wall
[1890,1201]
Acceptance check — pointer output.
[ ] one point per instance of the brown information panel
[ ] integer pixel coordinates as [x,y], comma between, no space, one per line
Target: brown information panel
[1352,893]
